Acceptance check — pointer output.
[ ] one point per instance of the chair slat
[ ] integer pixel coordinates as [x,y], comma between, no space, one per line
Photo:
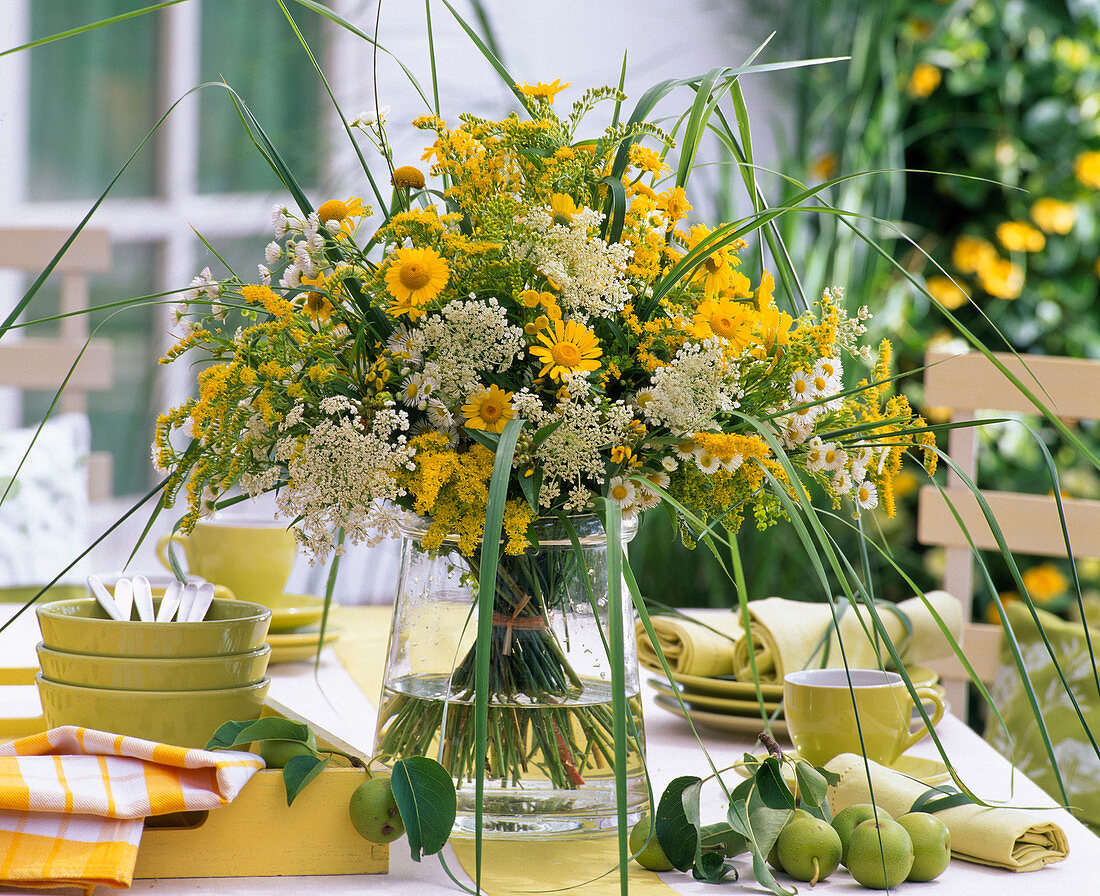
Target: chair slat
[1070,386]
[43,364]
[1029,523]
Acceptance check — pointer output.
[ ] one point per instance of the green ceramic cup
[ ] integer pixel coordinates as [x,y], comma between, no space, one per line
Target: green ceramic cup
[154,673]
[821,715]
[82,626]
[181,718]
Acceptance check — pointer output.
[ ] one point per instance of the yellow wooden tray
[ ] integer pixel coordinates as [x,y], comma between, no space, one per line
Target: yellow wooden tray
[257,835]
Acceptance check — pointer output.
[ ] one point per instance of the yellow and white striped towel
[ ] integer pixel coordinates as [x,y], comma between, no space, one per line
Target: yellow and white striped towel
[73,801]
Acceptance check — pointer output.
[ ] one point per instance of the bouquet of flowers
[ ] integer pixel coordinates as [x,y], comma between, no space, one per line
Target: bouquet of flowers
[550,279]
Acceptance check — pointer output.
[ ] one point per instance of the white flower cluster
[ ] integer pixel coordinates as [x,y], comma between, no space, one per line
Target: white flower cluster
[306,255]
[341,471]
[849,469]
[463,340]
[571,453]
[689,391]
[590,273]
[812,394]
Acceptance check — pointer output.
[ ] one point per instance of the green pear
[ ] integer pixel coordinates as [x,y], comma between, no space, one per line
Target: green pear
[931,845]
[373,810]
[875,867]
[649,855]
[277,753]
[846,819]
[808,849]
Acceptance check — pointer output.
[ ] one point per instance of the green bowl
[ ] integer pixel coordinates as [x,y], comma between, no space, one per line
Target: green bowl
[20,594]
[181,718]
[198,673]
[82,626]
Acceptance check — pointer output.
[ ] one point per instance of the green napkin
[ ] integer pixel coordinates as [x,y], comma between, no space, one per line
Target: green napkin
[1077,760]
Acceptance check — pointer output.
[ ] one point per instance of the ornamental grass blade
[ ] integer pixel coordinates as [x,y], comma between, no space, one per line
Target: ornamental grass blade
[617,658]
[487,577]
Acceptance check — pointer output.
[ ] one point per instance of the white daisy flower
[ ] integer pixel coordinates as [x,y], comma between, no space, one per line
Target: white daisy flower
[866,495]
[842,482]
[265,274]
[621,491]
[833,457]
[273,253]
[829,369]
[439,416]
[415,391]
[645,500]
[815,454]
[708,463]
[685,449]
[670,463]
[659,479]
[800,387]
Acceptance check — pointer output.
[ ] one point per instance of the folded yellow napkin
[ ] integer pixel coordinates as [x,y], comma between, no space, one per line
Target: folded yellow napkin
[703,647]
[785,634]
[73,801]
[1002,838]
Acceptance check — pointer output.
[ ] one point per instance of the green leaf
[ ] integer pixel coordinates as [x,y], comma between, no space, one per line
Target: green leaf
[771,787]
[813,783]
[226,735]
[236,734]
[676,834]
[721,835]
[426,799]
[299,771]
[712,868]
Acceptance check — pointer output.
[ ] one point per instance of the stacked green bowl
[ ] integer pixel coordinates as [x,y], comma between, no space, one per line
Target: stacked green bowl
[171,682]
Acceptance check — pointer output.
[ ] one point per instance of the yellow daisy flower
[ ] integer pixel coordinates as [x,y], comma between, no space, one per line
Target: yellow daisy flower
[716,271]
[562,208]
[674,204]
[727,318]
[408,177]
[414,278]
[543,92]
[566,346]
[347,213]
[489,409]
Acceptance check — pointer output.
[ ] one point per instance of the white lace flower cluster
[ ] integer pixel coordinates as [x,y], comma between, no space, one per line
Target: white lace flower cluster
[340,472]
[459,343]
[687,393]
[590,273]
[572,452]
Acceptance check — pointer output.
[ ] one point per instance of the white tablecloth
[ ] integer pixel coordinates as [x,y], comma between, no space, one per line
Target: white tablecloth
[332,699]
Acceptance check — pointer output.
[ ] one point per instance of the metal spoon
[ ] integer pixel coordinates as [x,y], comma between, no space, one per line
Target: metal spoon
[143,598]
[105,598]
[170,602]
[202,603]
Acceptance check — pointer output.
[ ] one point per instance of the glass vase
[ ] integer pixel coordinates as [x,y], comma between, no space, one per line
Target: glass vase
[550,767]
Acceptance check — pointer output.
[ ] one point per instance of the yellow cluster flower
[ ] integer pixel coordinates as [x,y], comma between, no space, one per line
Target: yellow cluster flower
[923,81]
[1086,168]
[1053,215]
[1019,236]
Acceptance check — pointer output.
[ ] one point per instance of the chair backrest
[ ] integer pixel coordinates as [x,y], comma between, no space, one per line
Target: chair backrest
[37,363]
[969,384]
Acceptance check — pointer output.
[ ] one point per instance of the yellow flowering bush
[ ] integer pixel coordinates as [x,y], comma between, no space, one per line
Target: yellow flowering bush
[530,273]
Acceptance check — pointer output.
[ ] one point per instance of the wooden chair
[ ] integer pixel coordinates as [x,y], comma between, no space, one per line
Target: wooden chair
[41,363]
[968,384]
